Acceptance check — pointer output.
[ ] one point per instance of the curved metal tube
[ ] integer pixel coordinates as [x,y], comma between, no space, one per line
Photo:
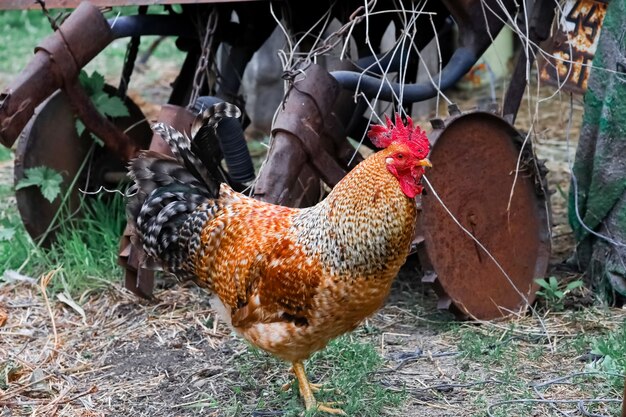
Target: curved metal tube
[142,25]
[374,64]
[233,143]
[460,63]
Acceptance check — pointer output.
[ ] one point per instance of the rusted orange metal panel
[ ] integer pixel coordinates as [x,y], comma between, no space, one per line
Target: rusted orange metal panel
[573,45]
[71,4]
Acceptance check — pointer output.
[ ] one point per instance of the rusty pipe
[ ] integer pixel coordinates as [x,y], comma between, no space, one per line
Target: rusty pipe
[298,157]
[57,58]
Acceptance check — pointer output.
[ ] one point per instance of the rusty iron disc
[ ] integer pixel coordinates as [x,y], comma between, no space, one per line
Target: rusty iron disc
[474,156]
[50,139]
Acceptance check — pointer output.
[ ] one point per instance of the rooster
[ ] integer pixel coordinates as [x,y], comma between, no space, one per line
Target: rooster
[287,280]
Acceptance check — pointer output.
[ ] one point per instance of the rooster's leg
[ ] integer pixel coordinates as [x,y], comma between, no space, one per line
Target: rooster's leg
[306,391]
[314,387]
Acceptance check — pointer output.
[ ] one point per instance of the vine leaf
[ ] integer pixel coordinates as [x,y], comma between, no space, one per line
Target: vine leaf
[110,106]
[47,179]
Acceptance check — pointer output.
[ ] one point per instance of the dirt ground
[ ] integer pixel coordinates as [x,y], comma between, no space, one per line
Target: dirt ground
[120,356]
[154,359]
[112,354]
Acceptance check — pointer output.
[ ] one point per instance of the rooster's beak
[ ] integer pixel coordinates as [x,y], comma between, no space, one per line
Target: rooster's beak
[425,163]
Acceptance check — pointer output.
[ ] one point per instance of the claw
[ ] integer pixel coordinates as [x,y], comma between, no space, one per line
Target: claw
[307,389]
[323,407]
[316,387]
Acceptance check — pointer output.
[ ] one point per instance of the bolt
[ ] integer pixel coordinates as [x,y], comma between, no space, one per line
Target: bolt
[453,109]
[437,123]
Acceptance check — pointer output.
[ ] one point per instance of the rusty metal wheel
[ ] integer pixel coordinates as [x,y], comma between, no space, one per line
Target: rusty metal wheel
[50,139]
[474,157]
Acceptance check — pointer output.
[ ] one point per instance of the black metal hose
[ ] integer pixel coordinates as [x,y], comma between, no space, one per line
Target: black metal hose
[460,63]
[232,142]
[390,61]
[143,25]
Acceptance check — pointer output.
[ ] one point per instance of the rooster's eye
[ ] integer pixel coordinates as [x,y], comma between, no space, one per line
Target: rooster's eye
[400,156]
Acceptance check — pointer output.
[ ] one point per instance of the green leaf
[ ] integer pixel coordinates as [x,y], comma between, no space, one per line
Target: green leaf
[574,284]
[542,283]
[83,79]
[559,294]
[92,84]
[111,106]
[6,233]
[553,282]
[33,176]
[597,351]
[96,139]
[80,127]
[48,180]
[609,364]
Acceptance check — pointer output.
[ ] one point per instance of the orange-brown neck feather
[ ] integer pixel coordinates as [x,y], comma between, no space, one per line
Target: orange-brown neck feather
[364,226]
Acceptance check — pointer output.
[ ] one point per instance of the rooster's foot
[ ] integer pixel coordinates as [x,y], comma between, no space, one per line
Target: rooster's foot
[307,389]
[324,407]
[314,387]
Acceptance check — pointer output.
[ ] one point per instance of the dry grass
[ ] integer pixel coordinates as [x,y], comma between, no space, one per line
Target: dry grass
[173,358]
[83,368]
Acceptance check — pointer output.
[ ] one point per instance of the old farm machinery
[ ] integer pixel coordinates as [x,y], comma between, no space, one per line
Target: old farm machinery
[505,212]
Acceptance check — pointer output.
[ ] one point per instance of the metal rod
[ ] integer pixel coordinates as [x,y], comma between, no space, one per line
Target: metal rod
[161,25]
[540,23]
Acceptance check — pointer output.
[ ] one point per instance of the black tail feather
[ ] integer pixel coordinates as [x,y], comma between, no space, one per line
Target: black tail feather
[167,192]
[205,141]
[181,148]
[210,117]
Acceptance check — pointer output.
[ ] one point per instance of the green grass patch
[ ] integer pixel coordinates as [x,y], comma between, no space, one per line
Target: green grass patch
[346,369]
[23,30]
[611,349]
[5,154]
[512,369]
[85,250]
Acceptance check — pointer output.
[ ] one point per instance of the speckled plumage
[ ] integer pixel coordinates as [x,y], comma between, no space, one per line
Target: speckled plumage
[288,280]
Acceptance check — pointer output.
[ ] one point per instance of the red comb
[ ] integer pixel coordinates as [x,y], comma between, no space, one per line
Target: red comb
[413,136]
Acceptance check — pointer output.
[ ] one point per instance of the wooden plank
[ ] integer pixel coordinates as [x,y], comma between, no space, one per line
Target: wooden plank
[71,4]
